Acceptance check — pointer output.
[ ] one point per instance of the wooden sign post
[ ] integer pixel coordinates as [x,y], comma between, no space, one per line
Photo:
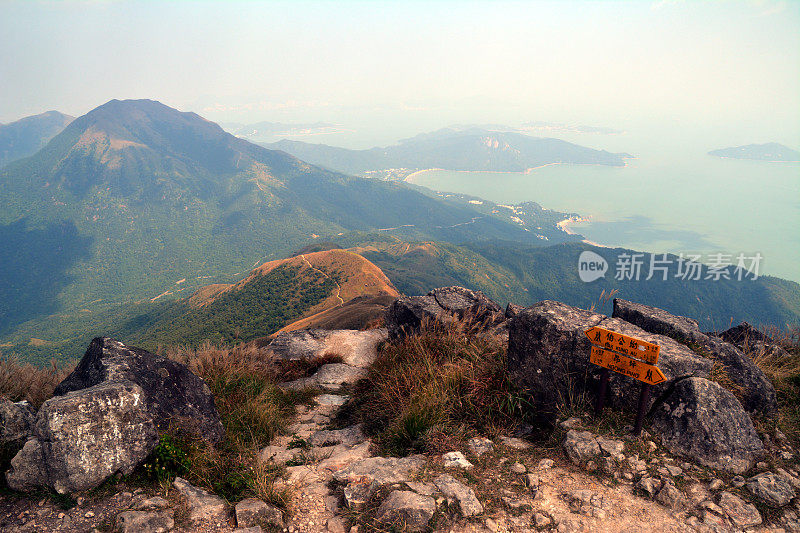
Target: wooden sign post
[628,356]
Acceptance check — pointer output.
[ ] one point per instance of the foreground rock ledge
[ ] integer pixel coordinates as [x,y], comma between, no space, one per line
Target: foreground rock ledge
[106,416]
[173,395]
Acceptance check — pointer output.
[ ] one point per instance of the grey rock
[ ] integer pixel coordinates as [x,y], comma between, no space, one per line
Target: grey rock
[515,442]
[548,355]
[443,305]
[518,468]
[426,489]
[706,423]
[741,513]
[480,445]
[381,470]
[145,521]
[649,485]
[203,506]
[771,488]
[356,348]
[455,490]
[83,437]
[152,504]
[174,397]
[581,446]
[331,377]
[16,421]
[349,436]
[670,496]
[406,509]
[610,447]
[252,511]
[455,460]
[757,390]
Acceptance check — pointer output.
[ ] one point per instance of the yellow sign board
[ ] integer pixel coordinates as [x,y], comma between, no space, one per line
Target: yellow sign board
[626,366]
[624,344]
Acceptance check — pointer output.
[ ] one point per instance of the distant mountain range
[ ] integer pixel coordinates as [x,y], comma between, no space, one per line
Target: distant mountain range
[135,196]
[268,131]
[760,152]
[26,136]
[454,149]
[136,204]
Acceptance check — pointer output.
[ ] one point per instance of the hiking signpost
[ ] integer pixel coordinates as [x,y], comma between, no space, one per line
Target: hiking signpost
[628,356]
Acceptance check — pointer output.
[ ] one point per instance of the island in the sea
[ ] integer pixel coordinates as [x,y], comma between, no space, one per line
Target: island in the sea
[456,148]
[759,152]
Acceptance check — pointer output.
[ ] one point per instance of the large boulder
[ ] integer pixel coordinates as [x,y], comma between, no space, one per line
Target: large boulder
[173,395]
[443,305]
[757,392]
[83,437]
[356,348]
[548,355]
[704,422]
[16,421]
[406,510]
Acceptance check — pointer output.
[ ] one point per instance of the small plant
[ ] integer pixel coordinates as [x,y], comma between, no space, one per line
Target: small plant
[169,459]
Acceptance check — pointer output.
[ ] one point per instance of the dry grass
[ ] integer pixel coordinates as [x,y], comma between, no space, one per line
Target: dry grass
[430,391]
[254,410]
[783,369]
[23,381]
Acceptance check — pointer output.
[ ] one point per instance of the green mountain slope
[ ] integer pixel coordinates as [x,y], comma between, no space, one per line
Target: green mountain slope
[524,275]
[453,149]
[26,136]
[139,200]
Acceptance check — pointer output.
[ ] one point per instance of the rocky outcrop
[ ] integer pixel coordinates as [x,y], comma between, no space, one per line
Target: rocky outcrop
[457,492]
[758,394]
[202,505]
[16,421]
[252,512]
[548,354]
[443,305]
[83,437]
[702,421]
[772,489]
[105,418]
[407,510]
[356,348]
[173,395]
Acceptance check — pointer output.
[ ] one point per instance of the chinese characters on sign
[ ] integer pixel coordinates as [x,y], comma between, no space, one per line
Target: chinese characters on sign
[629,356]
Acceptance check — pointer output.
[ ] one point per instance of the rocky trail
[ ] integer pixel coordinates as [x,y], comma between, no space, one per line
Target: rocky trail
[700,467]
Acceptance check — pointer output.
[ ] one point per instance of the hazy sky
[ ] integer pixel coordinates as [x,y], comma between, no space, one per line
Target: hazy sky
[732,64]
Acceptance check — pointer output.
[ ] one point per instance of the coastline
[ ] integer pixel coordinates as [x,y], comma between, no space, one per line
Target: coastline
[410,177]
[564,226]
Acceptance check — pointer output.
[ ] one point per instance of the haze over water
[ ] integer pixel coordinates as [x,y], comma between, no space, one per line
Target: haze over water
[672,197]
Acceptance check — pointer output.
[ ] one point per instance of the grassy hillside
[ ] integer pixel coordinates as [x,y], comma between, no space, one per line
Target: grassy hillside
[135,200]
[26,136]
[273,295]
[508,272]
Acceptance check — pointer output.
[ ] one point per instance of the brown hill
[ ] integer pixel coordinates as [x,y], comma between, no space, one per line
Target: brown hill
[359,281]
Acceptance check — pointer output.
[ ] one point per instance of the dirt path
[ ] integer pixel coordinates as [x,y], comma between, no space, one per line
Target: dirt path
[338,287]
